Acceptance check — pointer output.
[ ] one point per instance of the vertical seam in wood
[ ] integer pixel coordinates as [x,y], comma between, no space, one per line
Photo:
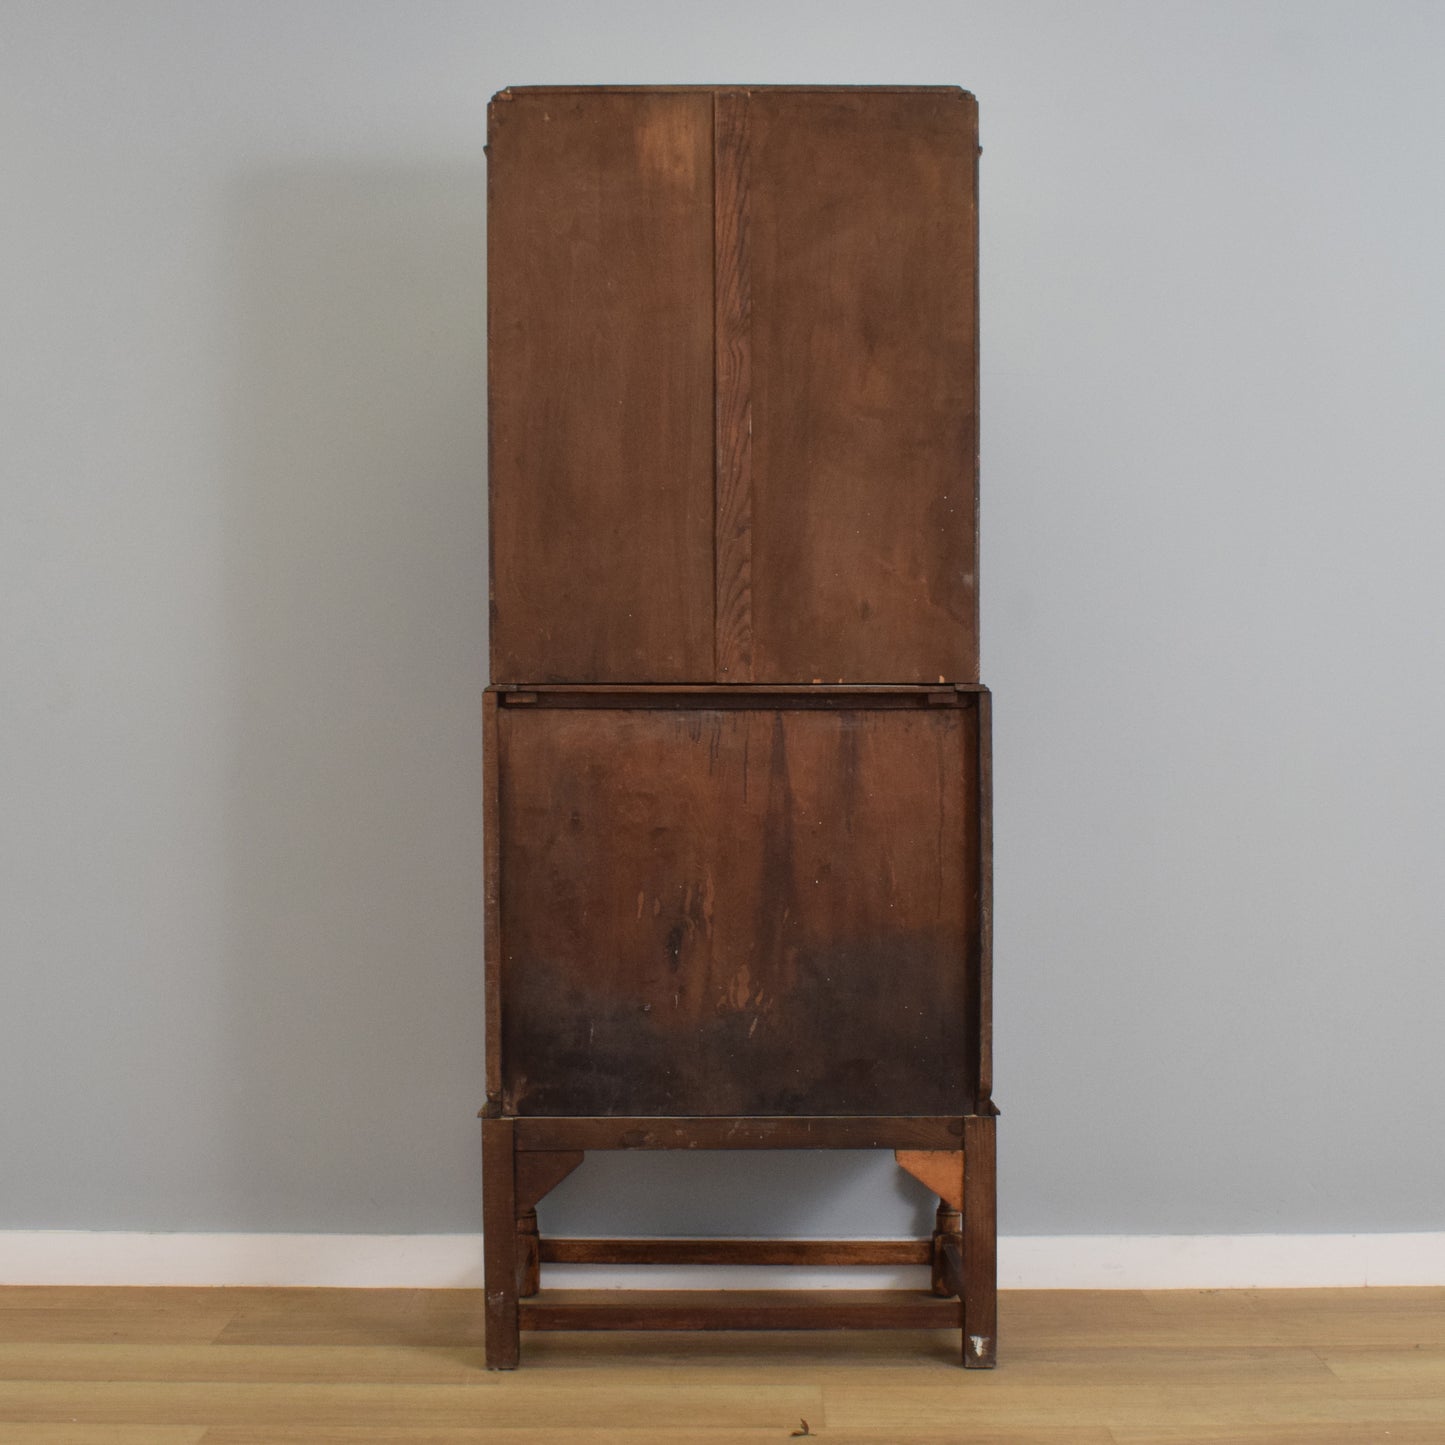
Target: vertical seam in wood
[976,561]
[985,901]
[733,422]
[492,892]
[492,287]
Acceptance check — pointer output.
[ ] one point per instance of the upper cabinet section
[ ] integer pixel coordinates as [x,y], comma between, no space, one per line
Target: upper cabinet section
[861,210]
[600,241]
[733,342]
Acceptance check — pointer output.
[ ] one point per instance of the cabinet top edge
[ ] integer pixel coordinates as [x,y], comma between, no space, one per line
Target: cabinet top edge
[511,91]
[703,690]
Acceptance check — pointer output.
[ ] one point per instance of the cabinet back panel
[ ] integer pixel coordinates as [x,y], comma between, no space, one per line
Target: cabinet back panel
[863,386]
[733,386]
[740,911]
[600,240]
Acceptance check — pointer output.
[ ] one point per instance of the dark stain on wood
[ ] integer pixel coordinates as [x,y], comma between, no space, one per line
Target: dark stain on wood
[687,950]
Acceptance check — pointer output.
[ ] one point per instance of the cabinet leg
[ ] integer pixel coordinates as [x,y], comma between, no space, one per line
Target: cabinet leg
[499,1242]
[980,1243]
[529,1258]
[947,1232]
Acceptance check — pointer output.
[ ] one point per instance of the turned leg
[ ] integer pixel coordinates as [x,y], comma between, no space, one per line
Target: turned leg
[942,1170]
[499,1240]
[947,1237]
[980,1244]
[535,1174]
[529,1258]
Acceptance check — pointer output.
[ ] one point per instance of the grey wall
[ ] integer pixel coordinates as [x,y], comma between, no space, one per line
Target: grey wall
[242,480]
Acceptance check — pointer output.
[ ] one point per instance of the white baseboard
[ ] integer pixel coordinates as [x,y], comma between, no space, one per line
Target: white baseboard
[447,1261]
[353,1261]
[1221,1261]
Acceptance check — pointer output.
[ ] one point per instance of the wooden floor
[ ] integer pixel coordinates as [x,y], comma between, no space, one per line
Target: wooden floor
[282,1367]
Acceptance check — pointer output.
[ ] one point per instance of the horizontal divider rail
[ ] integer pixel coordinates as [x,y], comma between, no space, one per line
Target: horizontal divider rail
[736,1251]
[754,696]
[907,1131]
[786,1309]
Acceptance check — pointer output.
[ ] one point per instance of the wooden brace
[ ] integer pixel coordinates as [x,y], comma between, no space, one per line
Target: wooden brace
[940,1170]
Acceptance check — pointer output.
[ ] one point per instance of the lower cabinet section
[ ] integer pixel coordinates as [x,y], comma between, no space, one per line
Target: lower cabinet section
[738,902]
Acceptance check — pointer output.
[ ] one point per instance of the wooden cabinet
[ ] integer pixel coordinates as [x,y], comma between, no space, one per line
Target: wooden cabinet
[738,850]
[733,386]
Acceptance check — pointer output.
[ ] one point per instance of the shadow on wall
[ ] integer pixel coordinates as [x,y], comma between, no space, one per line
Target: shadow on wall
[355,533]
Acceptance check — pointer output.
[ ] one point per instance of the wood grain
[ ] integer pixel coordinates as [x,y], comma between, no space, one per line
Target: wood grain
[734,392]
[640,1434]
[937,1169]
[72,1321]
[946,1251]
[360,1403]
[795,1132]
[980,1244]
[499,1207]
[600,296]
[749,912]
[739,1309]
[732,277]
[529,1254]
[515,693]
[64,1433]
[393,1362]
[1303,1367]
[734,384]
[517,90]
[850,1252]
[758,698]
[539,1172]
[863,247]
[980,1018]
[491,891]
[432,1324]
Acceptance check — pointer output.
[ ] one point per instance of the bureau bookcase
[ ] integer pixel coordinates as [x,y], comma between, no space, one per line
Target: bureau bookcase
[736,749]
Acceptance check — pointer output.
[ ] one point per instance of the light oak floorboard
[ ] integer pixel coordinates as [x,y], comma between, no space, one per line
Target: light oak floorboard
[101,1327]
[67,1434]
[488,1401]
[244,1364]
[404,1367]
[606,1435]
[1274,1433]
